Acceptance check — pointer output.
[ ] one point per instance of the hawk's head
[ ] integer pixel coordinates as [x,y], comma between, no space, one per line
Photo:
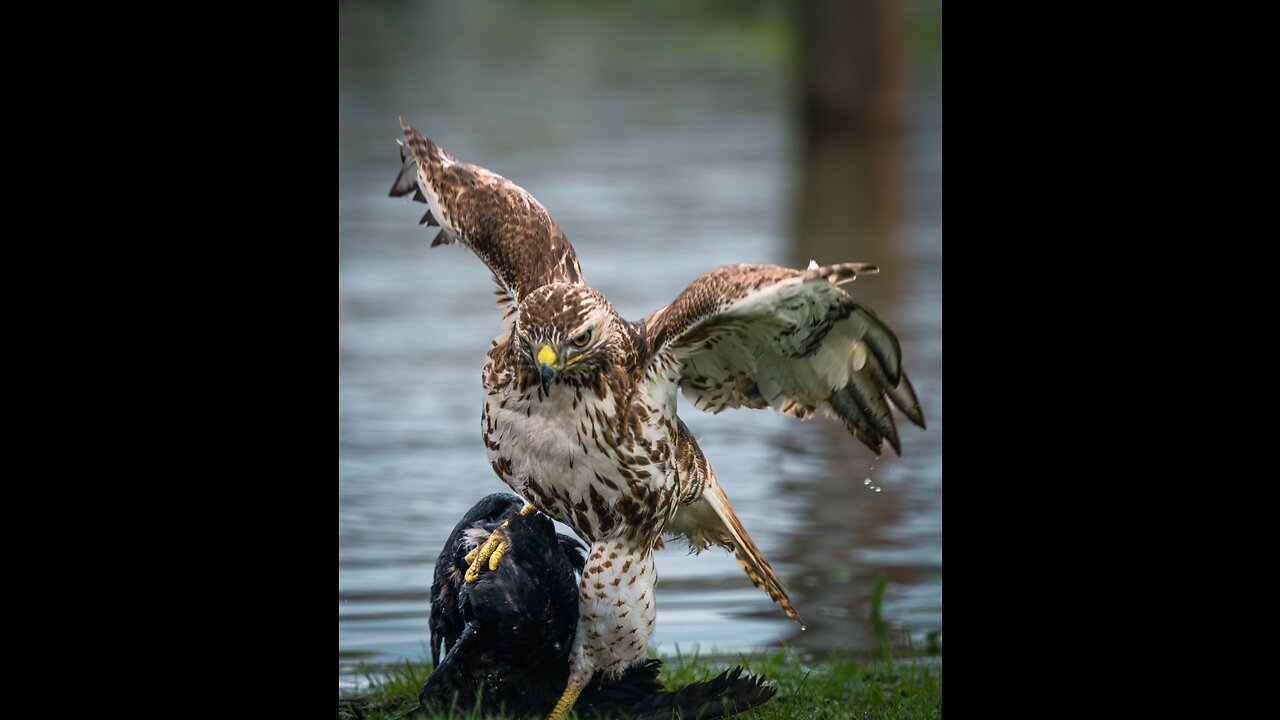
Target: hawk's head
[569,333]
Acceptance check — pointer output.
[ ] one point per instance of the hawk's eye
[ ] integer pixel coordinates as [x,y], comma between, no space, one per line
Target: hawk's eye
[582,340]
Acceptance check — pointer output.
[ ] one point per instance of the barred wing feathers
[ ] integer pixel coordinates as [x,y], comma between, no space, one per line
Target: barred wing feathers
[500,221]
[762,336]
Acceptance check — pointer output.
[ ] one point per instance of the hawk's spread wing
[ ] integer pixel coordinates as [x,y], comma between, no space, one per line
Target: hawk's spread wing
[765,336]
[500,221]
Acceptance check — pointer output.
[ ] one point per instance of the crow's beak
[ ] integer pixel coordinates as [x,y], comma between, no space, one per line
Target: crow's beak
[546,368]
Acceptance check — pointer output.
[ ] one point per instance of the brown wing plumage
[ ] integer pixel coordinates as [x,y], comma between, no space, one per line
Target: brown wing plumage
[765,336]
[500,221]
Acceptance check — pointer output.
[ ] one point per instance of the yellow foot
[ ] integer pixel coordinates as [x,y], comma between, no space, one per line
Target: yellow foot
[492,550]
[565,705]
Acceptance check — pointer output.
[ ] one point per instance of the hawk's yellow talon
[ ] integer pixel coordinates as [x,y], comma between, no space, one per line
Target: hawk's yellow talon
[492,550]
[482,554]
[498,553]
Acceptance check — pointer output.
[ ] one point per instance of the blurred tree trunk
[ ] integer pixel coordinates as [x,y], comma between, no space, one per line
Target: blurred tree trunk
[853,66]
[852,111]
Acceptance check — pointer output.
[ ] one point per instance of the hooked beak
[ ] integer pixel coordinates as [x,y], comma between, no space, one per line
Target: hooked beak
[546,368]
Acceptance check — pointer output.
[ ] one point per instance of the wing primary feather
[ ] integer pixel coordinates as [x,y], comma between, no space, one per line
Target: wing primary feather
[902,395]
[428,220]
[407,179]
[842,401]
[882,343]
[870,400]
[444,238]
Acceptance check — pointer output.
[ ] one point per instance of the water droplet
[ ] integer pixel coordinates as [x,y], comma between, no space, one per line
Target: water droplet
[867,481]
[877,489]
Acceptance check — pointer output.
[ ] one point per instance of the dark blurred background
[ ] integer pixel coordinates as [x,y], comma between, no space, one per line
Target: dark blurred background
[666,137]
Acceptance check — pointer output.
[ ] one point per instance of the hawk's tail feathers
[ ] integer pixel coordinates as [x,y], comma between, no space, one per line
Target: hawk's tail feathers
[747,554]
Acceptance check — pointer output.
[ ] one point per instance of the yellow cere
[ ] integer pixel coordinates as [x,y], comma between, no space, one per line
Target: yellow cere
[547,356]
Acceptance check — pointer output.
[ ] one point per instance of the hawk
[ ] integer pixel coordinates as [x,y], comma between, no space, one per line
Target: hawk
[579,412]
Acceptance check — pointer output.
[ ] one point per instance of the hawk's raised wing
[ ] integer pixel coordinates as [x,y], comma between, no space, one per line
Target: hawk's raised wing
[500,221]
[765,336]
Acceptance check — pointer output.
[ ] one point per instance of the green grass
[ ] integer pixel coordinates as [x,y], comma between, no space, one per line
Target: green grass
[908,686]
[837,686]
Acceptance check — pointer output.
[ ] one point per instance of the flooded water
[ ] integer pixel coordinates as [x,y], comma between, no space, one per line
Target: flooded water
[660,159]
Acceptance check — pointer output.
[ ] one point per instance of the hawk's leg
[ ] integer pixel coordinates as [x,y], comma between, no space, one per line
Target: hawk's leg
[616,612]
[492,550]
[578,677]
